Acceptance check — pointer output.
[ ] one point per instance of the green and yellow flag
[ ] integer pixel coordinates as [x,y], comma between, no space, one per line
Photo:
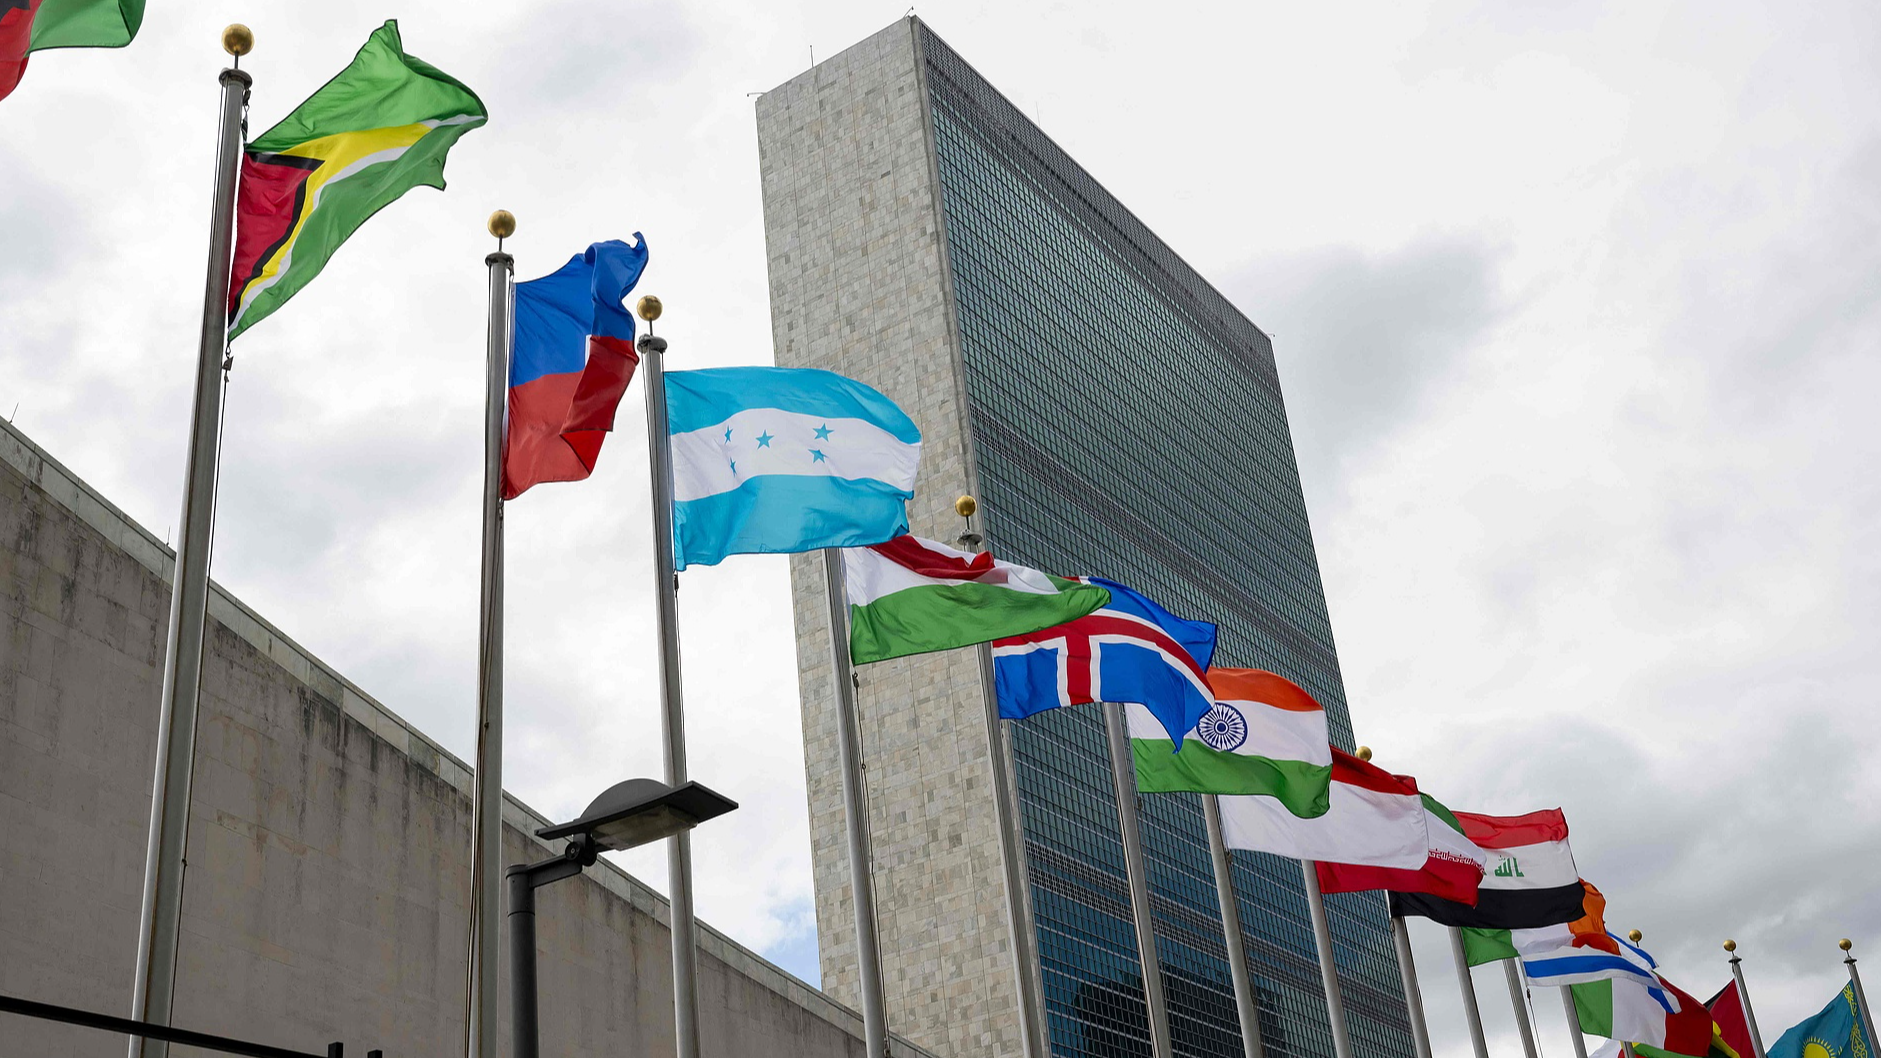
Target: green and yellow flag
[27,26]
[380,128]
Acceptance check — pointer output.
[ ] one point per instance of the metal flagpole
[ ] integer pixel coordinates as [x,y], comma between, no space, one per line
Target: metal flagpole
[1012,864]
[1743,995]
[666,591]
[1854,978]
[1123,768]
[1574,1022]
[1011,849]
[1522,1024]
[486,814]
[1246,1004]
[1328,971]
[855,812]
[1471,1012]
[160,915]
[1413,996]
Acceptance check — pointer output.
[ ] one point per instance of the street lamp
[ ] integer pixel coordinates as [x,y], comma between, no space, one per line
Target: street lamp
[627,814]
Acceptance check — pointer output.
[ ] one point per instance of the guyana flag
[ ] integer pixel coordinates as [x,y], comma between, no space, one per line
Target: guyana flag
[27,26]
[380,128]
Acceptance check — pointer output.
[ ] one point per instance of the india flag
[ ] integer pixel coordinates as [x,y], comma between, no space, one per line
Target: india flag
[914,596]
[1265,737]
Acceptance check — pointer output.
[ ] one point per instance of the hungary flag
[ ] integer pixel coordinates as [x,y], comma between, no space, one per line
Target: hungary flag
[27,26]
[914,596]
[379,129]
[1265,737]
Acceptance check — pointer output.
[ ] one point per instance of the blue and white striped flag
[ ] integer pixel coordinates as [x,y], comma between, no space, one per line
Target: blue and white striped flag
[780,459]
[1550,957]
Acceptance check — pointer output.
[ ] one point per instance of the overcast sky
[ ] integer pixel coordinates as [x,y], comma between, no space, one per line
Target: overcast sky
[1576,307]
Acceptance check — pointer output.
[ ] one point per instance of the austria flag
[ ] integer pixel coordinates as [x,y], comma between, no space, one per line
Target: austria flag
[1531,879]
[571,357]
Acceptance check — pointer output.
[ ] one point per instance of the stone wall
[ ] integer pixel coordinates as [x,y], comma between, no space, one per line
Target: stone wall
[327,887]
[859,284]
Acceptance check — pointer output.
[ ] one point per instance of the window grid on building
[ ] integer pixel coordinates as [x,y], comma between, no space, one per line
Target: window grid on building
[1128,422]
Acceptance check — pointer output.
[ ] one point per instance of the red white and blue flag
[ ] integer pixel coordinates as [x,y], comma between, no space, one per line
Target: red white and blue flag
[1132,651]
[571,358]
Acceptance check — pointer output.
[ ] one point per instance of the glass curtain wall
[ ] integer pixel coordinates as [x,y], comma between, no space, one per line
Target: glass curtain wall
[1129,423]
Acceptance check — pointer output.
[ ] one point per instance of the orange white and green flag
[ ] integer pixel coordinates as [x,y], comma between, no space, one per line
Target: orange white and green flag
[379,129]
[27,26]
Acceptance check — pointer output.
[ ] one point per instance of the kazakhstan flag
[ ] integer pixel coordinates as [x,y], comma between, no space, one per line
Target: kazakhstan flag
[1834,1033]
[781,459]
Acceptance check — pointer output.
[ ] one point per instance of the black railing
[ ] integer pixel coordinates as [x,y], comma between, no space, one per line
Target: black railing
[129,1027]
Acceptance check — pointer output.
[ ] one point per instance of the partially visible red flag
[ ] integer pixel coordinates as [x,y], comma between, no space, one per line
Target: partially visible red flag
[27,26]
[1727,1011]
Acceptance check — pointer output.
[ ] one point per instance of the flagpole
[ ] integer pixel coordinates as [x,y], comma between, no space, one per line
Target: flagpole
[1413,995]
[160,914]
[1471,1012]
[1246,1003]
[1123,769]
[1012,864]
[1574,1022]
[673,713]
[1025,966]
[486,812]
[1743,995]
[856,812]
[1328,970]
[1514,974]
[1861,1000]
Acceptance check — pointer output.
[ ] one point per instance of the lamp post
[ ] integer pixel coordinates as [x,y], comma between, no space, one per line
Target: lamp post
[630,813]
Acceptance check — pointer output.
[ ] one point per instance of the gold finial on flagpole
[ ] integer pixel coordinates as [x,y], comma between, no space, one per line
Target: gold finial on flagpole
[1634,935]
[1730,945]
[1364,753]
[649,308]
[502,224]
[238,40]
[965,507]
[1845,944]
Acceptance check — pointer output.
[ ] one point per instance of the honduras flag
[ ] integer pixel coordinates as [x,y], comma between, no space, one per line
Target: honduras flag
[781,459]
[1132,651]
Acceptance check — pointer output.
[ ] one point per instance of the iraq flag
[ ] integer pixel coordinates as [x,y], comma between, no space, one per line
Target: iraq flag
[1530,880]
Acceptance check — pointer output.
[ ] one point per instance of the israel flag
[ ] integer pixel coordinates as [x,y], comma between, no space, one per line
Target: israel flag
[782,459]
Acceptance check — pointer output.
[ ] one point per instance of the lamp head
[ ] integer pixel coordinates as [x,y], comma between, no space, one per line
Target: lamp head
[639,811]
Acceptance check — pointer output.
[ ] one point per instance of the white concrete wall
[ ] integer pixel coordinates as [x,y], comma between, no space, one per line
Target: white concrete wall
[327,889]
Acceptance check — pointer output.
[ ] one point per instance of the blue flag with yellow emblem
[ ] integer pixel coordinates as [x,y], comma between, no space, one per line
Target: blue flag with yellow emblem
[1834,1033]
